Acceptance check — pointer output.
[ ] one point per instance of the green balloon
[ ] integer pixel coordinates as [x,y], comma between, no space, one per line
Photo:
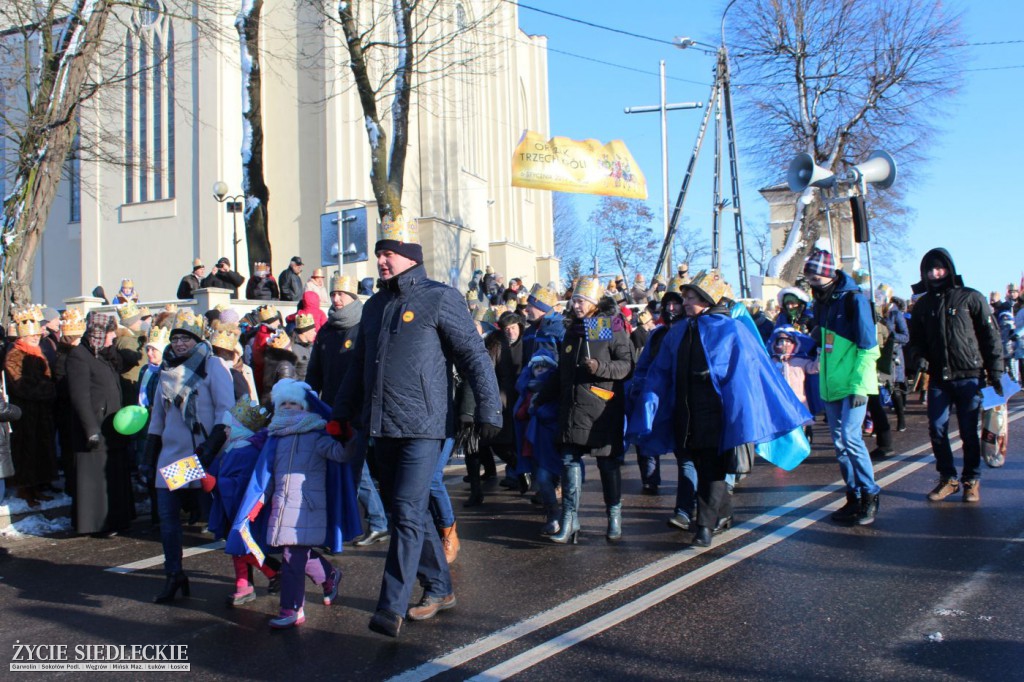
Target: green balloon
[129,420]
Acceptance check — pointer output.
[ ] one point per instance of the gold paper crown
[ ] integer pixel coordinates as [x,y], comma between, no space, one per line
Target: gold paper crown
[346,283]
[589,288]
[159,337]
[72,322]
[144,311]
[261,268]
[523,295]
[711,282]
[490,316]
[400,229]
[225,336]
[279,340]
[27,320]
[127,283]
[545,295]
[127,310]
[644,316]
[675,286]
[266,313]
[188,321]
[304,321]
[249,414]
[480,313]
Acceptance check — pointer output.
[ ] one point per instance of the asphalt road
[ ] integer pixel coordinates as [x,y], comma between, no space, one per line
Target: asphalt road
[931,591]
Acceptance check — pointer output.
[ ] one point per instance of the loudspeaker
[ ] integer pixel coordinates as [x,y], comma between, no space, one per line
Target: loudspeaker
[859,216]
[803,172]
[879,170]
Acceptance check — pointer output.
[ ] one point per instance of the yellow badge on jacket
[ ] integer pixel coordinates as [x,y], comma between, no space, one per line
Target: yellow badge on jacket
[348,344]
[408,316]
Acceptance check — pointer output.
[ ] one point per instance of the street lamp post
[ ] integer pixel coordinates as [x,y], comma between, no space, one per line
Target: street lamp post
[234,207]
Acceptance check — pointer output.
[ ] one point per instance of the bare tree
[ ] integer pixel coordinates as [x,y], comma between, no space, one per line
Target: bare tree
[393,48]
[690,245]
[835,79]
[759,248]
[625,226]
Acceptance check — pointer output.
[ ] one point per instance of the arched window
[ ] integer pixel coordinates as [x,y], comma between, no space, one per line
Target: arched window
[149,105]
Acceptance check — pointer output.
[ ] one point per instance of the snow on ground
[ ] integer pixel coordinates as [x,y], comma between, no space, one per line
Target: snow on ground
[15,505]
[36,524]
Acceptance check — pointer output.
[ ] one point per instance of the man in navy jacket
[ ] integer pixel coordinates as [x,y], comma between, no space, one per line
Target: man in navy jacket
[399,389]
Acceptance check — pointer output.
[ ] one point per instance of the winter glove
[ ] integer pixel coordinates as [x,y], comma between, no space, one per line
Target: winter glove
[489,431]
[208,483]
[153,445]
[255,511]
[94,441]
[994,381]
[340,431]
[590,364]
[858,401]
[209,448]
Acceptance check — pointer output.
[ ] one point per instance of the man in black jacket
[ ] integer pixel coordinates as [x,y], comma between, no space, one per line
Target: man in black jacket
[223,277]
[952,331]
[192,281]
[290,281]
[399,389]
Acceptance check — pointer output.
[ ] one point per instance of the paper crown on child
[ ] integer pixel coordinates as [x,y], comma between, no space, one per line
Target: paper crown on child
[266,313]
[261,269]
[279,340]
[304,322]
[345,283]
[542,298]
[159,337]
[589,289]
[28,320]
[127,283]
[225,336]
[250,414]
[711,286]
[644,316]
[188,321]
[128,312]
[72,322]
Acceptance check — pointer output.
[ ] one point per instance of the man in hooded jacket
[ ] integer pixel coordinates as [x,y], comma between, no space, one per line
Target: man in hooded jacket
[953,334]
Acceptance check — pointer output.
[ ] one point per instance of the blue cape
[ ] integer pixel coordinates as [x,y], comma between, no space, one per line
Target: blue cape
[757,404]
[233,470]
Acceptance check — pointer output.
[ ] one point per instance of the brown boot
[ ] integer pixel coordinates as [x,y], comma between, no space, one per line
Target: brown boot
[971,491]
[450,542]
[945,488]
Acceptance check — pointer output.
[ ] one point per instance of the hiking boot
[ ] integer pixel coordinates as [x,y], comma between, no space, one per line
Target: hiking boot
[971,489]
[849,512]
[945,488]
[429,606]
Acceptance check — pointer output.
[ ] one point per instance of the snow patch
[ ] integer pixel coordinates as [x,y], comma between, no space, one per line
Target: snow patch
[935,637]
[16,505]
[373,132]
[37,525]
[950,612]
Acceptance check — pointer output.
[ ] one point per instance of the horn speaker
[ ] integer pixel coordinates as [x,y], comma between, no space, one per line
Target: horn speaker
[803,172]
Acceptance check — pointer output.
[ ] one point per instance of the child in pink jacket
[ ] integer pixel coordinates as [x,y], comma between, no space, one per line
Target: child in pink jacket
[790,354]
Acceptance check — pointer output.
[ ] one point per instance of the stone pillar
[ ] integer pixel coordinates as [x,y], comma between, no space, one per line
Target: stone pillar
[208,299]
[83,304]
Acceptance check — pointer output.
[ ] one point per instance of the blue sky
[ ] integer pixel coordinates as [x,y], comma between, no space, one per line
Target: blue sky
[966,194]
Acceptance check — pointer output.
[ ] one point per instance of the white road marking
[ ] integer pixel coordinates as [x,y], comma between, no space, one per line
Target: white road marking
[158,560]
[529,658]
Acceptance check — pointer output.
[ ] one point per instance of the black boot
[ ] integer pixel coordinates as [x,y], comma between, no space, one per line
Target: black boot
[702,538]
[849,512]
[868,509]
[476,491]
[174,582]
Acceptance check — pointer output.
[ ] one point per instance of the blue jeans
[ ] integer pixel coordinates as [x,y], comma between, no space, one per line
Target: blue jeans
[370,499]
[406,467]
[845,423]
[686,489]
[965,396]
[440,504]
[168,503]
[650,468]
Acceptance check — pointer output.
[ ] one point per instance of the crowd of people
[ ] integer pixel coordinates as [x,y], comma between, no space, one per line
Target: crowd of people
[306,425]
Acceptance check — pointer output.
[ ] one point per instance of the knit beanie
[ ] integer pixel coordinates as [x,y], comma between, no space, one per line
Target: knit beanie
[290,390]
[408,249]
[821,263]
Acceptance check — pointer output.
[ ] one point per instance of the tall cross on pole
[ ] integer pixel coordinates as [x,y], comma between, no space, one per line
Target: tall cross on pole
[663,109]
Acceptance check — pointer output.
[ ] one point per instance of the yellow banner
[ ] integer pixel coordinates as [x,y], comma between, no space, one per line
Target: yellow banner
[586,167]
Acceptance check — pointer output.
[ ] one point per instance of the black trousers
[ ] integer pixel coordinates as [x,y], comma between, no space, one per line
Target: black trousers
[713,499]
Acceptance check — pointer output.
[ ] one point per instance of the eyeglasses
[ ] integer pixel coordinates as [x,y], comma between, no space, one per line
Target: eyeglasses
[181,338]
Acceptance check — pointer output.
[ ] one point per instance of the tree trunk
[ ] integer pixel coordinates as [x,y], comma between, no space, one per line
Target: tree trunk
[257,195]
[45,145]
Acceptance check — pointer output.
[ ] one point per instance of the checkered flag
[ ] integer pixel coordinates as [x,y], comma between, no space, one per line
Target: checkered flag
[182,472]
[598,328]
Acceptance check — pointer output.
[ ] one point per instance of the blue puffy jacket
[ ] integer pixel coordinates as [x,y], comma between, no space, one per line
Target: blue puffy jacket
[400,383]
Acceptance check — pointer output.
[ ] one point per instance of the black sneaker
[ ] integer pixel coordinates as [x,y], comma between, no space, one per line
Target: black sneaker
[849,512]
